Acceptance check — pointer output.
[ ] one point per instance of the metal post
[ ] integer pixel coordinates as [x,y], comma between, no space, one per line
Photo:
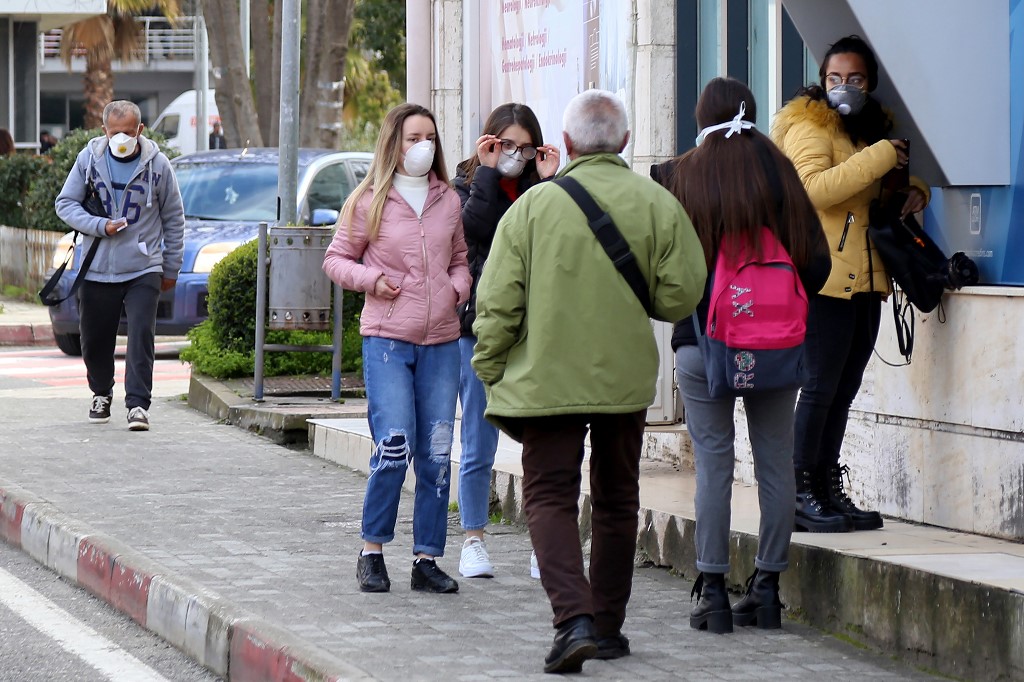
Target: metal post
[244,19]
[339,303]
[288,136]
[202,84]
[261,311]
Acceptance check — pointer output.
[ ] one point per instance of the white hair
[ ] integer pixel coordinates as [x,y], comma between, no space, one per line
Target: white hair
[121,109]
[595,121]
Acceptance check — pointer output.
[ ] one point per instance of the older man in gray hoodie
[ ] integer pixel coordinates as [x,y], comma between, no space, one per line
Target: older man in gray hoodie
[139,254]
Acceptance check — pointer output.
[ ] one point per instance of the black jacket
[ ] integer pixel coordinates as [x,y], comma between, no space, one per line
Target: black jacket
[484,202]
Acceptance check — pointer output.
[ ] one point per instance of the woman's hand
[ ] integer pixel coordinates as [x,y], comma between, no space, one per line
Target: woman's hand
[488,150]
[915,202]
[902,154]
[384,289]
[547,160]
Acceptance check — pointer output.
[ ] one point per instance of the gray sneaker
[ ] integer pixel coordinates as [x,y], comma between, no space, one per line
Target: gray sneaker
[138,419]
[99,412]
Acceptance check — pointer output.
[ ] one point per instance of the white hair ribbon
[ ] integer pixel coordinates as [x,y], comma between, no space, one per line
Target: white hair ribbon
[736,125]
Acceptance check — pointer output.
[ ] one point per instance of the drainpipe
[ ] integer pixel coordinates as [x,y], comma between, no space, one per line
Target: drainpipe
[418,38]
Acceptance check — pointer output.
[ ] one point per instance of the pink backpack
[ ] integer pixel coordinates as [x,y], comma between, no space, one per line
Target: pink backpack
[757,321]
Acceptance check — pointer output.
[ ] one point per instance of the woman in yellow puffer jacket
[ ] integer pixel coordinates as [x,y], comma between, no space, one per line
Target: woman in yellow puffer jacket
[836,134]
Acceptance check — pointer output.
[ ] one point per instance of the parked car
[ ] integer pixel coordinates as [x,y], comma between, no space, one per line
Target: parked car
[227,193]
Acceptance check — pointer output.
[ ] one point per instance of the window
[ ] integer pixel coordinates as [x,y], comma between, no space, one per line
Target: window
[329,188]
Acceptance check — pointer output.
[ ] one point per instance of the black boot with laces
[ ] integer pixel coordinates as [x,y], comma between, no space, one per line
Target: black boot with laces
[841,502]
[761,605]
[813,514]
[712,612]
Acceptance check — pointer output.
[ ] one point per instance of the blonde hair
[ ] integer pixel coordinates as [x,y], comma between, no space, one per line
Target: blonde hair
[379,177]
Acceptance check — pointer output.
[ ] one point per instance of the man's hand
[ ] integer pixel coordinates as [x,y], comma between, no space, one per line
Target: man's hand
[167,283]
[115,226]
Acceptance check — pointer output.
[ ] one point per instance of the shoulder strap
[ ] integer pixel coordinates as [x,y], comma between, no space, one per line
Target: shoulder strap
[44,293]
[610,238]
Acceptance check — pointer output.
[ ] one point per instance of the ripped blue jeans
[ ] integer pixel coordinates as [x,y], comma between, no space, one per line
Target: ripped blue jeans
[411,392]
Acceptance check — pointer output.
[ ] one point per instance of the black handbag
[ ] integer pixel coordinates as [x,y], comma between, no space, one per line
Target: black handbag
[914,262]
[93,205]
[920,272]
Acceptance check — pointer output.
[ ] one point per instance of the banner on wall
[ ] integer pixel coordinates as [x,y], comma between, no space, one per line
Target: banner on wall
[544,52]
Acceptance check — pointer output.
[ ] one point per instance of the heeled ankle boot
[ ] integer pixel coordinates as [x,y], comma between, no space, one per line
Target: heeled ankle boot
[841,502]
[813,514]
[761,605]
[712,612]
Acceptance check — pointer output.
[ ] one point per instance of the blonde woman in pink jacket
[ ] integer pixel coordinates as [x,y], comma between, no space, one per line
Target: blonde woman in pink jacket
[400,240]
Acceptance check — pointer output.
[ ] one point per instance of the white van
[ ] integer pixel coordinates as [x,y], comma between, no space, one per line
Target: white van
[178,121]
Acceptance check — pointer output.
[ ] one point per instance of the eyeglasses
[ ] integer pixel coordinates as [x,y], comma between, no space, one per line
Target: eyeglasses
[508,147]
[857,80]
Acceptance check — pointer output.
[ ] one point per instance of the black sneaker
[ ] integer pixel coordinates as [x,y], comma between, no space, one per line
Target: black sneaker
[427,577]
[99,413]
[372,574]
[138,419]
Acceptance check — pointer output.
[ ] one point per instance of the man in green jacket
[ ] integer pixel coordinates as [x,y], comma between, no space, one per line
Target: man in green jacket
[564,344]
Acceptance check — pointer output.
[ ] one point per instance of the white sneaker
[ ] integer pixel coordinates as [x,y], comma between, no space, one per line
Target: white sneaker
[475,562]
[534,566]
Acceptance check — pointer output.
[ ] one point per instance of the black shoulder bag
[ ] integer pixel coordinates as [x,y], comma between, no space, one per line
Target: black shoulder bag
[611,239]
[94,206]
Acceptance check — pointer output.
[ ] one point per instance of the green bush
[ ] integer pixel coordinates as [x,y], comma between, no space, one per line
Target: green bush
[16,174]
[224,345]
[45,187]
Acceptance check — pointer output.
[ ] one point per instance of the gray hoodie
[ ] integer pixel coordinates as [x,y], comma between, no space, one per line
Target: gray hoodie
[153,240]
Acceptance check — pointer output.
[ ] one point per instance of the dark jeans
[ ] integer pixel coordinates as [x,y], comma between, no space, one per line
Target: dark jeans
[840,338]
[552,459]
[99,306]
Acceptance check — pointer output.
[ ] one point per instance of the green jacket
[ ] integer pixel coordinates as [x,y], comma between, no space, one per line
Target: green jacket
[558,329]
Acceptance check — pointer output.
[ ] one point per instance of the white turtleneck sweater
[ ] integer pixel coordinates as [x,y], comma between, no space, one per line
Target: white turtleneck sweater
[413,190]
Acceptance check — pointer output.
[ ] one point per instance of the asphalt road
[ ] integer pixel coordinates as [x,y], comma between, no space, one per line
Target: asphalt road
[50,630]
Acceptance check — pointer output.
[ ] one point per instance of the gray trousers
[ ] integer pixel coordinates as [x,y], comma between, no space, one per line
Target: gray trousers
[710,424]
[99,307]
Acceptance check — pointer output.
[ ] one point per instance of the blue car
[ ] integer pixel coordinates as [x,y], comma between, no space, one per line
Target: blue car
[227,193]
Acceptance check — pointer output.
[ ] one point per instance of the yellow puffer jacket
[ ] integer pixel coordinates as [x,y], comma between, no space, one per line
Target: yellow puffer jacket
[841,179]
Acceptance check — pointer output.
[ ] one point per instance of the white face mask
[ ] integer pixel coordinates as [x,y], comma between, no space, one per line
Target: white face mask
[123,145]
[511,166]
[419,158]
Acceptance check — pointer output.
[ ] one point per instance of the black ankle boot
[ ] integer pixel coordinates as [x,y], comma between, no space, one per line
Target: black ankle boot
[813,514]
[761,605]
[712,612]
[841,502]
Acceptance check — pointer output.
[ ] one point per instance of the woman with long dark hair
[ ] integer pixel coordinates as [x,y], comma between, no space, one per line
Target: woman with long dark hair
[733,185]
[510,158]
[837,135]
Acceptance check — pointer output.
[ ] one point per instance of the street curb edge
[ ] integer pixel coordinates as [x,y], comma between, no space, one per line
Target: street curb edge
[213,631]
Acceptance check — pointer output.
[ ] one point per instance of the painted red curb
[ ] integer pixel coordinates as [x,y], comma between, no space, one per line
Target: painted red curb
[252,658]
[129,590]
[95,568]
[11,513]
[16,335]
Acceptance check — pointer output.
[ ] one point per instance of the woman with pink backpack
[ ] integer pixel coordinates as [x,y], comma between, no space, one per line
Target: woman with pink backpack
[748,206]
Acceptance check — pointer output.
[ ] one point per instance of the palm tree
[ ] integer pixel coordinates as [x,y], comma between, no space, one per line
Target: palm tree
[114,35]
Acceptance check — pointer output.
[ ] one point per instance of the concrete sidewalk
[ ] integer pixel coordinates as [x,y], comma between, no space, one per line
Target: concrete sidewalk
[242,553]
[24,324]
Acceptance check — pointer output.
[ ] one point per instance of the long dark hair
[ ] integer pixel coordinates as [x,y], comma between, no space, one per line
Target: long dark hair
[725,187]
[872,123]
[503,116]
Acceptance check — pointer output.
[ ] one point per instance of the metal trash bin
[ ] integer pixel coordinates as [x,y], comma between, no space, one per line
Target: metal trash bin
[299,291]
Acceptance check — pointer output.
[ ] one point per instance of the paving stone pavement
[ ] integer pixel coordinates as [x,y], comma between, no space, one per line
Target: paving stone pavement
[277,531]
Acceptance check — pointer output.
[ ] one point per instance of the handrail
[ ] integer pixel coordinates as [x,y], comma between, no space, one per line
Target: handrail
[161,41]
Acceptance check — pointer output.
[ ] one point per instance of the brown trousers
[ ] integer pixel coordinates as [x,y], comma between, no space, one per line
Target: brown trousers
[552,463]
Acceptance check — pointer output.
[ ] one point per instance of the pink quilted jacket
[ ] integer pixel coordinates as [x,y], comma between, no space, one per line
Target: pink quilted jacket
[425,256]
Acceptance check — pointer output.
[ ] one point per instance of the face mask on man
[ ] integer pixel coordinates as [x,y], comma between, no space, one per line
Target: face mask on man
[419,158]
[511,166]
[122,145]
[847,99]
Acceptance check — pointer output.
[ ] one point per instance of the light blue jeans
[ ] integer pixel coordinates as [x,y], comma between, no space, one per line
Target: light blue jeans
[711,427]
[479,443]
[411,392]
